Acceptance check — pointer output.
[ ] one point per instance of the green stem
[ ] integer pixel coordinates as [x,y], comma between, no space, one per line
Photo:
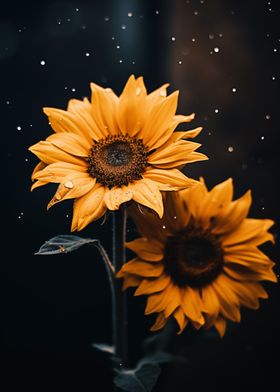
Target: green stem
[119,305]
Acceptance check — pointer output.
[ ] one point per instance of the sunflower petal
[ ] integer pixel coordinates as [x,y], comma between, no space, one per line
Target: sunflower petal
[151,286]
[181,319]
[130,281]
[170,177]
[141,268]
[191,305]
[220,325]
[159,323]
[70,143]
[229,302]
[146,192]
[116,196]
[147,250]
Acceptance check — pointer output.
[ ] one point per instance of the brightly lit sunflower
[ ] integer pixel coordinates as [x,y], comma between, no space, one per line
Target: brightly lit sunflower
[201,261]
[115,149]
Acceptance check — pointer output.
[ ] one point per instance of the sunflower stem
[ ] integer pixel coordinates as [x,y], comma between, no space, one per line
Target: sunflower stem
[119,305]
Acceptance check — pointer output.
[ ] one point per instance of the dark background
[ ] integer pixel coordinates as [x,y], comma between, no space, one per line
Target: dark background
[53,308]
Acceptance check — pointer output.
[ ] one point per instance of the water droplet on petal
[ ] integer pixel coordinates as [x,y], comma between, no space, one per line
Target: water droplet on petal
[162,93]
[138,91]
[69,184]
[58,196]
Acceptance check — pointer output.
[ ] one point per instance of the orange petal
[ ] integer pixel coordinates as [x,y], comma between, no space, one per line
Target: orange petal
[229,302]
[130,281]
[116,196]
[157,95]
[220,325]
[55,172]
[171,177]
[210,304]
[181,319]
[191,305]
[149,250]
[142,268]
[70,143]
[157,302]
[151,286]
[159,323]
[40,166]
[146,192]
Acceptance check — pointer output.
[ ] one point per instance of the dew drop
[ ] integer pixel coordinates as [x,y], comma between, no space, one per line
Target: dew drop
[69,184]
[58,196]
[162,93]
[138,91]
[175,217]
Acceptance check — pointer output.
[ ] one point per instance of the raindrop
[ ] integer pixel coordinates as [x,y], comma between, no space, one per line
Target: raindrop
[26,159]
[68,20]
[175,217]
[274,50]
[273,78]
[69,184]
[77,9]
[138,91]
[230,149]
[42,62]
[221,35]
[8,102]
[113,38]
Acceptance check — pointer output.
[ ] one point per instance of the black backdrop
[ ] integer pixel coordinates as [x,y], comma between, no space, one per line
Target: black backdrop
[223,56]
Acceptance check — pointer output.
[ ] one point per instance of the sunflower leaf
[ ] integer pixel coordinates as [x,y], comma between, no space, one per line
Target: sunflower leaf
[63,244]
[141,379]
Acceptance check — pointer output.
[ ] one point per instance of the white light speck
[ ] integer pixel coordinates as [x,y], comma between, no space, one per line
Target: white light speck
[68,20]
[157,12]
[31,125]
[19,30]
[133,62]
[77,9]
[84,27]
[274,50]
[26,159]
[42,62]
[211,36]
[129,14]
[164,227]
[216,49]
[120,61]
[67,215]
[106,18]
[230,149]
[262,137]
[195,13]
[73,89]
[201,1]
[179,62]
[18,128]
[221,35]
[123,27]
[193,39]
[267,116]
[216,110]
[87,54]
[270,9]
[273,78]
[118,46]
[113,38]
[8,102]
[233,90]
[65,88]
[173,38]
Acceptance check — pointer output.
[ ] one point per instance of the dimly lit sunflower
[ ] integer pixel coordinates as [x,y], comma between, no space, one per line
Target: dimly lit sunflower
[115,149]
[201,262]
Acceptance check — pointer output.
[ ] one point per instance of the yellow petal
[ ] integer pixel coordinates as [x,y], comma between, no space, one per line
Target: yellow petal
[250,231]
[191,305]
[248,293]
[130,281]
[159,323]
[170,177]
[131,107]
[48,153]
[37,184]
[210,304]
[116,196]
[142,268]
[147,193]
[174,300]
[157,302]
[104,109]
[232,216]
[73,186]
[151,286]
[229,302]
[40,166]
[157,95]
[88,208]
[55,172]
[149,250]
[70,143]
[246,274]
[155,131]
[220,325]
[181,319]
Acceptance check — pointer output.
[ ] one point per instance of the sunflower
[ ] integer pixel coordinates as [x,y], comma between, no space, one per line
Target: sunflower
[114,149]
[201,262]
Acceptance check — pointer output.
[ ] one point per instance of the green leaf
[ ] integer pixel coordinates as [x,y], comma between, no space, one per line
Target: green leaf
[63,244]
[141,379]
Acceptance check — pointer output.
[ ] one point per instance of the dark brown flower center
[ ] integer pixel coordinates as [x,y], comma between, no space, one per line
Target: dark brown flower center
[117,160]
[193,257]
